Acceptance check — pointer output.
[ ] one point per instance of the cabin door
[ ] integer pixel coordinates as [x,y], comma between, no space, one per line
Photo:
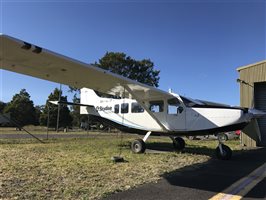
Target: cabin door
[176,115]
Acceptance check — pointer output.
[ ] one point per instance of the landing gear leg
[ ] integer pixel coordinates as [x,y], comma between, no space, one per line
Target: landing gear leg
[178,143]
[223,152]
[138,145]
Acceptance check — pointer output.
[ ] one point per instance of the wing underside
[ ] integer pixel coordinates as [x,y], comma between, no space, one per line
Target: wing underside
[25,58]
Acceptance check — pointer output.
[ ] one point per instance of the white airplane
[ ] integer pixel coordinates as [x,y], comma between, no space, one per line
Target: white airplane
[141,109]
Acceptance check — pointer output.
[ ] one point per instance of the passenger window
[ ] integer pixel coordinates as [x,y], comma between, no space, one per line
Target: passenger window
[174,106]
[116,108]
[136,108]
[124,108]
[156,106]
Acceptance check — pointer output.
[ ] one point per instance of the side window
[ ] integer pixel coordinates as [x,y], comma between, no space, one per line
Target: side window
[136,108]
[174,106]
[124,108]
[116,108]
[156,106]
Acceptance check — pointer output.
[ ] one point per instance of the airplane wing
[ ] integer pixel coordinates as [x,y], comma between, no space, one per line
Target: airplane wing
[25,58]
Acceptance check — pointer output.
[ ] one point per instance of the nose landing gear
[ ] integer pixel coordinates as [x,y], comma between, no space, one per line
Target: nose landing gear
[223,152]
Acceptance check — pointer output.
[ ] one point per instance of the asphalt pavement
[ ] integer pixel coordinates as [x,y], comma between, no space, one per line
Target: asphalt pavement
[203,181]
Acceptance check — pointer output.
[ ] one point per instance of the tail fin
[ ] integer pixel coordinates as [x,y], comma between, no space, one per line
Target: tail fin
[88,97]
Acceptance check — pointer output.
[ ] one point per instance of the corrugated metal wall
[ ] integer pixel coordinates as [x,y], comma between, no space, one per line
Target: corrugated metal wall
[250,74]
[260,103]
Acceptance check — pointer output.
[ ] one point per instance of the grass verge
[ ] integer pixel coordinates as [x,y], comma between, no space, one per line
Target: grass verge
[82,168]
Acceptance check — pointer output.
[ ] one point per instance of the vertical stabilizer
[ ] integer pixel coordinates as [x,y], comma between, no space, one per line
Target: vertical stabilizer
[88,97]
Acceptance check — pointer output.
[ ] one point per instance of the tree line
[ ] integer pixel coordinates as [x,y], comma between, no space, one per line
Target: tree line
[24,112]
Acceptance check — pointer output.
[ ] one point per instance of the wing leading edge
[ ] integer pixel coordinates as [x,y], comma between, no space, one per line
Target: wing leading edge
[25,58]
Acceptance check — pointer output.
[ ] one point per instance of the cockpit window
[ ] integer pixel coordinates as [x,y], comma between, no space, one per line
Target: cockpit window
[136,108]
[173,106]
[156,106]
[116,108]
[124,108]
[173,101]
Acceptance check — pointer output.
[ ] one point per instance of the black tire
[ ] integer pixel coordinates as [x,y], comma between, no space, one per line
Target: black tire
[227,153]
[138,146]
[179,143]
[226,137]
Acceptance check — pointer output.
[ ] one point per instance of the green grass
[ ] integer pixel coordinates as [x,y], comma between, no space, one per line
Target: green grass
[39,130]
[82,168]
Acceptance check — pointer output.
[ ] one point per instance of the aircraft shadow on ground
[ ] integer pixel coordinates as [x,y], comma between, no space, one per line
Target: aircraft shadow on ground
[164,147]
[161,147]
[216,175]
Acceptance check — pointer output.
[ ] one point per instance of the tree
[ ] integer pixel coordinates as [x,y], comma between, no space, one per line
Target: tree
[2,106]
[21,109]
[38,111]
[51,109]
[139,70]
[75,113]
[119,63]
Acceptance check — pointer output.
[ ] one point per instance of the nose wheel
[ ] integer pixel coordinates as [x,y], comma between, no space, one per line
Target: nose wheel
[223,152]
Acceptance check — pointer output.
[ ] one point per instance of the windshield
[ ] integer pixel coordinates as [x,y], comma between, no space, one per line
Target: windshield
[201,103]
[191,102]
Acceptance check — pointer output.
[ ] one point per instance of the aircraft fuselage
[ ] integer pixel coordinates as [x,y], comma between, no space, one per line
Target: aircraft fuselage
[175,116]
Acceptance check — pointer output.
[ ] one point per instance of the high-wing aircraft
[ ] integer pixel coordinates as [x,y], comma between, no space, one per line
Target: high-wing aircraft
[140,109]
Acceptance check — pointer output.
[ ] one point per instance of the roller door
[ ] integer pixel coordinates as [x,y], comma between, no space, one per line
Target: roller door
[260,103]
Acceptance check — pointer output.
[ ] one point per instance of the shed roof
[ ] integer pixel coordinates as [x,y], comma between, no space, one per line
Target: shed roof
[250,65]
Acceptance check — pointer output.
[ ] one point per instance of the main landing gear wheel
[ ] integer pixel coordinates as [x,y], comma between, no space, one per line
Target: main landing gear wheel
[222,137]
[223,152]
[178,143]
[138,146]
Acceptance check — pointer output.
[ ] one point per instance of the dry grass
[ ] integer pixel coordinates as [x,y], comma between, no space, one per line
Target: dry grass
[82,168]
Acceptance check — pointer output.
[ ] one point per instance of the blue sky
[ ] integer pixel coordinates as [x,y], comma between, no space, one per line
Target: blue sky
[196,44]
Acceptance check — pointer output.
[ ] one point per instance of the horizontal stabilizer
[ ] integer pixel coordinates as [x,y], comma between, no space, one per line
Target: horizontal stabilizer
[70,103]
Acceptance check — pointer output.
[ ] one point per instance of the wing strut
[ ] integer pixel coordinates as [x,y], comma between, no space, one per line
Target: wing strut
[145,107]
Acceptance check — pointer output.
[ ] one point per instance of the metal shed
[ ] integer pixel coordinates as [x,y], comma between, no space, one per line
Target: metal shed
[252,79]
